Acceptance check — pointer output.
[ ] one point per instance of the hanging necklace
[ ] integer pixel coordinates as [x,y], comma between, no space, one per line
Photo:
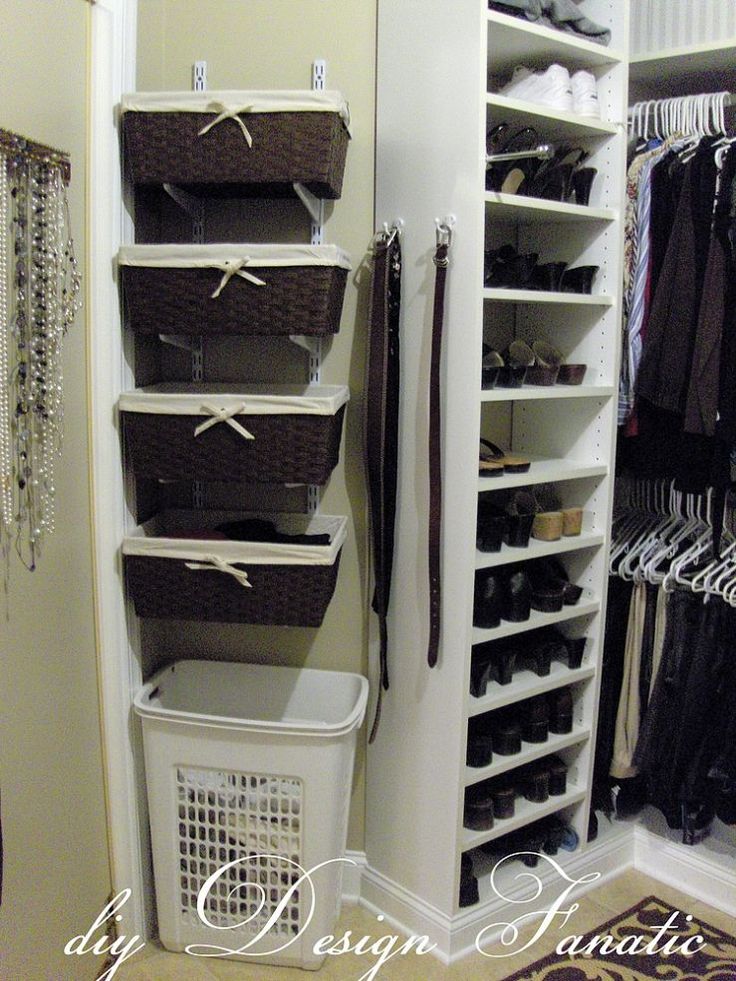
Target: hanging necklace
[39,298]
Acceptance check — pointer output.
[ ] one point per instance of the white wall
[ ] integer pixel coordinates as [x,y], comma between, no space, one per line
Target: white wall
[657,24]
[56,876]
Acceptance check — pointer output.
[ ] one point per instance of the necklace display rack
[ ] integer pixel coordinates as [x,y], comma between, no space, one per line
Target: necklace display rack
[39,298]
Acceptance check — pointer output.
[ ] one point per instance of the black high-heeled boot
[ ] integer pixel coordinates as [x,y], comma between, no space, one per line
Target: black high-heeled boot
[504,800]
[468,883]
[505,268]
[504,662]
[582,183]
[579,279]
[559,835]
[560,703]
[478,812]
[553,178]
[490,528]
[487,602]
[517,357]
[548,277]
[517,596]
[520,513]
[534,783]
[535,720]
[479,752]
[511,176]
[507,737]
[481,669]
[575,649]
[538,658]
[557,770]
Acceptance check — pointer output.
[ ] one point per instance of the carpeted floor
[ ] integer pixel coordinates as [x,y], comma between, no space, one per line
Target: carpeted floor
[632,947]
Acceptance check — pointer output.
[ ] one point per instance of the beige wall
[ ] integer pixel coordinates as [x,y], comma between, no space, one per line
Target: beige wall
[56,875]
[263,44]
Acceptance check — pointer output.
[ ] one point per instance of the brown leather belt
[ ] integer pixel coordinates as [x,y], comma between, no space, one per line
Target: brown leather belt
[434,539]
[382,429]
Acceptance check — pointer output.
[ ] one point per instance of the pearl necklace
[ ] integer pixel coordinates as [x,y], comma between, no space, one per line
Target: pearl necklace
[39,307]
[6,478]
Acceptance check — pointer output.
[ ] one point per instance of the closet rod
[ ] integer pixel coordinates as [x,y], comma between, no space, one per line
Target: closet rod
[15,145]
[730,99]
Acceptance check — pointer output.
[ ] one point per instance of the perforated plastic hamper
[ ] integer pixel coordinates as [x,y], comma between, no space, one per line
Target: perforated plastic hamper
[248,771]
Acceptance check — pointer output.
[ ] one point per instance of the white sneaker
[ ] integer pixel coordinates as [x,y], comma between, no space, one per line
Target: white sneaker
[552,87]
[585,95]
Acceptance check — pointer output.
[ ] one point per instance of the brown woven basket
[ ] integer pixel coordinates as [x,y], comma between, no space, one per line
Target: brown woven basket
[285,595]
[304,147]
[286,448]
[296,300]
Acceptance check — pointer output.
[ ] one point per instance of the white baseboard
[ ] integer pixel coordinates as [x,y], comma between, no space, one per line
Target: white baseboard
[702,871]
[455,937]
[352,876]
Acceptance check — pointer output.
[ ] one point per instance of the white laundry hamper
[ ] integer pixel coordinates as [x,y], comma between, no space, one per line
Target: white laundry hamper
[249,770]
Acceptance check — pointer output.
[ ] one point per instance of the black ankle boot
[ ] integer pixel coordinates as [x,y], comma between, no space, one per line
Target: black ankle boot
[468,883]
[517,597]
[487,599]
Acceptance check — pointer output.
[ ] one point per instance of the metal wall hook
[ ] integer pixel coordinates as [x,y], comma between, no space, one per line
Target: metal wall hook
[444,228]
[388,233]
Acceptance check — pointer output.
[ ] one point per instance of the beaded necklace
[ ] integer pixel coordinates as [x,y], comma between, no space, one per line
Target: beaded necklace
[39,298]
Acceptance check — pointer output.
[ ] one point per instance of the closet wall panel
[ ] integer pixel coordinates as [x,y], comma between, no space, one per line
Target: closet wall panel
[677,23]
[56,877]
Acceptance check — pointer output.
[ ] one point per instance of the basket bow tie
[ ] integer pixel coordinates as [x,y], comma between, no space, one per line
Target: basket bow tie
[234,267]
[224,415]
[214,562]
[228,113]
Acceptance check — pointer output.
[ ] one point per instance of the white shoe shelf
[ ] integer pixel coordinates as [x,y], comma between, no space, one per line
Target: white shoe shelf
[437,97]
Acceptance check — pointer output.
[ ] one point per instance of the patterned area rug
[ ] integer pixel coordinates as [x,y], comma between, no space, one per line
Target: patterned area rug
[625,958]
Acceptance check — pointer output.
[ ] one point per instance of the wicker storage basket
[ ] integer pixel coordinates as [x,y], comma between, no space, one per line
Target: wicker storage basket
[233,289]
[173,577]
[253,143]
[279,434]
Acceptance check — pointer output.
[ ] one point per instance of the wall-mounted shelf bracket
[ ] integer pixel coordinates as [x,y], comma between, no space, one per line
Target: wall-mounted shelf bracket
[313,345]
[314,205]
[191,205]
[182,341]
[313,495]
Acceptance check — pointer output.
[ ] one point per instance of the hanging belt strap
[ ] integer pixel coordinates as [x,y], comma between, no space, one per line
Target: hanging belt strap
[441,262]
[382,429]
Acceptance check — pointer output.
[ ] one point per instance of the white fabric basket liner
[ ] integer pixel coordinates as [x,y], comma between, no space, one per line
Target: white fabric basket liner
[150,539]
[256,697]
[234,101]
[247,254]
[192,399]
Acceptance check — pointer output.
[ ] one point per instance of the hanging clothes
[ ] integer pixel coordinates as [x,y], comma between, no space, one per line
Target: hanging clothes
[701,408]
[667,355]
[677,391]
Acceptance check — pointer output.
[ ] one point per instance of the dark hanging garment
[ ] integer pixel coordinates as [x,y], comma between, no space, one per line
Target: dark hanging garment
[656,751]
[666,183]
[666,359]
[612,673]
[702,407]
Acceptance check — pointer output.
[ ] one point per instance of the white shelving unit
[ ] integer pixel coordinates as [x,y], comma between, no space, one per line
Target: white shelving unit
[436,99]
